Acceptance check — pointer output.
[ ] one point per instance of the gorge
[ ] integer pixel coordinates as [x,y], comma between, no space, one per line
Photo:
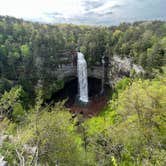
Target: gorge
[82,95]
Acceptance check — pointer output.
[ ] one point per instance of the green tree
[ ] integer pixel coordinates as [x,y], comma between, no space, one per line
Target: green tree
[25,50]
[9,99]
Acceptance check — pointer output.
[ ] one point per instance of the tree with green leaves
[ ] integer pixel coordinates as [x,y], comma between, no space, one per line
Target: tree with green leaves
[9,100]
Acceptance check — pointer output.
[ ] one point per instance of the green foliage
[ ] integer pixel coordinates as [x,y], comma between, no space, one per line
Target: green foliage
[9,99]
[56,133]
[59,142]
[31,51]
[25,50]
[3,50]
[18,112]
[4,125]
[9,151]
[131,130]
[114,161]
[5,85]
[53,87]
[142,110]
[121,86]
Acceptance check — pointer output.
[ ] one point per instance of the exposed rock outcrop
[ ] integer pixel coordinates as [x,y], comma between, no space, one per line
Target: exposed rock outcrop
[70,71]
[121,67]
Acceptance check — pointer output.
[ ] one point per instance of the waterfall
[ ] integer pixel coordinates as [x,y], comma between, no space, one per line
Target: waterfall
[82,77]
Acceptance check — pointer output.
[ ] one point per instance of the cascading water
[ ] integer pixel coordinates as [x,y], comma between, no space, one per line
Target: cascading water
[82,77]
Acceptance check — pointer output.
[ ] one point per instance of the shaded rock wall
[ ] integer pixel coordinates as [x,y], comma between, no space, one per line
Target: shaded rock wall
[70,71]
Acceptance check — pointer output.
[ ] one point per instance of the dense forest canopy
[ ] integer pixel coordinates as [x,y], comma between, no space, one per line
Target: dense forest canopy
[131,128]
[28,50]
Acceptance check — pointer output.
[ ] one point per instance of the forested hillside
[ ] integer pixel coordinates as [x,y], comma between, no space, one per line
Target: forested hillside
[28,50]
[129,131]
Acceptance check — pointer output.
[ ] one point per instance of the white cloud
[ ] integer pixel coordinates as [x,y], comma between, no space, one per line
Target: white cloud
[98,12]
[109,5]
[37,8]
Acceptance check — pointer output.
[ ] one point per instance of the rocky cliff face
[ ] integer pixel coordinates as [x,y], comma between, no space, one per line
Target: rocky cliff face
[56,77]
[119,68]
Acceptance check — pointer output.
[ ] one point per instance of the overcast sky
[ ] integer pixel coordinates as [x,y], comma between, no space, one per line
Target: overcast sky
[92,12]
